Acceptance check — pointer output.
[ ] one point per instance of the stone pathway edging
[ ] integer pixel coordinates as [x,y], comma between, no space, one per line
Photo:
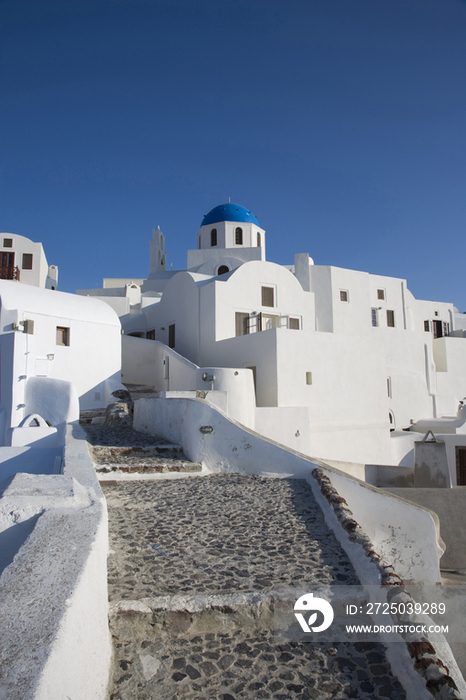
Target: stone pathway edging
[426,661]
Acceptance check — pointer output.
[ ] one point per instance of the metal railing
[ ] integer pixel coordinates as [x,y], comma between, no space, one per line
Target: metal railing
[9,272]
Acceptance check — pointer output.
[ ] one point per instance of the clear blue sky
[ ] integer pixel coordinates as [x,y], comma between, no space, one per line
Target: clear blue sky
[339,123]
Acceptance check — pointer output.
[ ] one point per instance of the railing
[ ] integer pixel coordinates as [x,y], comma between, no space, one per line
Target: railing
[9,272]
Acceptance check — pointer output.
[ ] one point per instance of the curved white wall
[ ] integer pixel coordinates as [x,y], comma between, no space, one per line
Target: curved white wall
[402,532]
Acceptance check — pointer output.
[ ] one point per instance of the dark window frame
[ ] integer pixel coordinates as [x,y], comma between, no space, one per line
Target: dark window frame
[171,335]
[268,297]
[62,337]
[27,261]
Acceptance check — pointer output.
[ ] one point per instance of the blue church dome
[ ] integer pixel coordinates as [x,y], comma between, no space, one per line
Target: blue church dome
[229,212]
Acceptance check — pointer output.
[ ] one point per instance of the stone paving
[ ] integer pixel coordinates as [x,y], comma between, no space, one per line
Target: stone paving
[123,450]
[226,534]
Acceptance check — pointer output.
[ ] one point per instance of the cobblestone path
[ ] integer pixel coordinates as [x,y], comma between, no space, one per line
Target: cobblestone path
[120,450]
[231,535]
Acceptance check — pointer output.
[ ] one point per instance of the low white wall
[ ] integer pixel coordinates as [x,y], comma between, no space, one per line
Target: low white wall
[152,363]
[404,534]
[288,425]
[54,641]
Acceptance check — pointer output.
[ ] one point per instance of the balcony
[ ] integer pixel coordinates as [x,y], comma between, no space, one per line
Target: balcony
[9,272]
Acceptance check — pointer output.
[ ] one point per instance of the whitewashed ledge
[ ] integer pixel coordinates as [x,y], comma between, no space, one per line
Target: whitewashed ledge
[54,637]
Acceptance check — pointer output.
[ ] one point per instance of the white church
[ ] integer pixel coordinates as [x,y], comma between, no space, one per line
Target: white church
[337,364]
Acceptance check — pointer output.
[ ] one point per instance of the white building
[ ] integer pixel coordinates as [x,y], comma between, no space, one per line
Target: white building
[343,362]
[23,260]
[59,353]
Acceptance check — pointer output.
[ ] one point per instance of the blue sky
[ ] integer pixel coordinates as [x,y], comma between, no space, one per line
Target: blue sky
[339,123]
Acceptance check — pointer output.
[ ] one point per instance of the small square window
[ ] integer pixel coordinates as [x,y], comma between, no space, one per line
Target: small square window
[381,294]
[8,243]
[294,324]
[63,335]
[343,295]
[27,261]
[390,318]
[267,296]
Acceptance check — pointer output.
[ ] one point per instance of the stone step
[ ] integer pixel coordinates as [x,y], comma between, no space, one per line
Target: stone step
[174,616]
[109,452]
[151,467]
[225,647]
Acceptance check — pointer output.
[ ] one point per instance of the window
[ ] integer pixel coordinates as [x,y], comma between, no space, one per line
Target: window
[343,295]
[427,326]
[460,466]
[293,324]
[242,323]
[63,335]
[198,242]
[267,296]
[8,243]
[258,240]
[389,387]
[374,317]
[213,237]
[27,261]
[446,328]
[381,294]
[269,321]
[171,336]
[309,378]
[223,269]
[239,236]
[390,318]
[150,335]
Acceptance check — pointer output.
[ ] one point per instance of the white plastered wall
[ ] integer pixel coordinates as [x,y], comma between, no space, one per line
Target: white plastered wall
[91,361]
[154,364]
[412,542]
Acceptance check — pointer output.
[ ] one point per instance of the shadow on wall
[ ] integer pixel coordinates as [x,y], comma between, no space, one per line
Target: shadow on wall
[12,539]
[29,460]
[151,363]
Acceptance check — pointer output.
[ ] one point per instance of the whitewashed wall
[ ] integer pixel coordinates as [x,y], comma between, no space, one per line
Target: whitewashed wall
[55,641]
[92,361]
[403,532]
[154,364]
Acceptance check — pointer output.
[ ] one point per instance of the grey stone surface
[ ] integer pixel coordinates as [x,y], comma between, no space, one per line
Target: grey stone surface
[250,665]
[219,533]
[176,546]
[123,450]
[119,413]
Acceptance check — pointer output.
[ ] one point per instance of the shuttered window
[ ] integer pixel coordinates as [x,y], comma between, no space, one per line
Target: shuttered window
[267,296]
[241,321]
